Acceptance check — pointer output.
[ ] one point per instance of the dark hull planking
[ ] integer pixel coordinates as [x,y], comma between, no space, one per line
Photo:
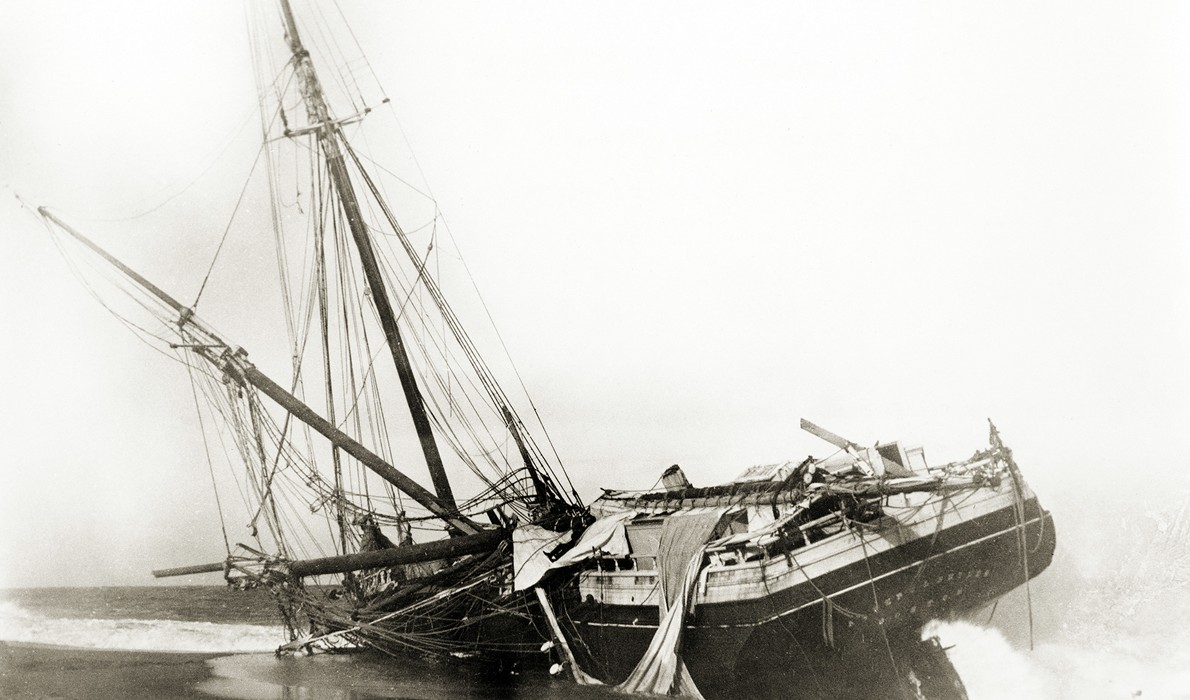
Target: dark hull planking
[790,644]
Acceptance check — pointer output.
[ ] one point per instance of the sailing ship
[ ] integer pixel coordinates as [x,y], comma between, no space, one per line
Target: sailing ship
[810,578]
[803,575]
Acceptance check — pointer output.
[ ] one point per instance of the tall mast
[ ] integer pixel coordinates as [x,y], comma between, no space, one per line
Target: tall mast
[328,139]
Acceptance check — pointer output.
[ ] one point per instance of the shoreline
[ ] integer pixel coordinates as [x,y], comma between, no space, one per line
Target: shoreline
[30,670]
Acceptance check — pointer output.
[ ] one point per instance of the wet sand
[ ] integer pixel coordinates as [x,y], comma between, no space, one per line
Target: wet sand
[30,671]
[368,675]
[34,671]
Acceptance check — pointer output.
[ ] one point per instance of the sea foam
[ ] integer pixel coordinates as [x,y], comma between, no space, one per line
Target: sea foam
[20,625]
[1109,663]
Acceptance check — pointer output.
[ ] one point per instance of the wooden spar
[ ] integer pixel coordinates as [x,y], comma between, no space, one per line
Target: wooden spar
[479,543]
[866,488]
[841,442]
[187,570]
[580,676]
[543,493]
[237,364]
[408,554]
[366,457]
[519,439]
[388,321]
[328,136]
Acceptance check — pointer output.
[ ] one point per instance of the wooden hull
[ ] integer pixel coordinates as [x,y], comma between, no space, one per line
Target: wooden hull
[791,619]
[840,617]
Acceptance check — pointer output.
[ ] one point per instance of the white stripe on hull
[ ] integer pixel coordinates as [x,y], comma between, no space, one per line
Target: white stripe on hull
[914,516]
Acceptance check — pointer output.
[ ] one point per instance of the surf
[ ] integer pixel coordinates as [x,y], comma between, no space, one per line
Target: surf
[1091,662]
[18,624]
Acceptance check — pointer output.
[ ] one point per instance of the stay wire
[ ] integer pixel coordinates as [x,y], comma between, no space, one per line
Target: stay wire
[227,229]
[485,374]
[210,464]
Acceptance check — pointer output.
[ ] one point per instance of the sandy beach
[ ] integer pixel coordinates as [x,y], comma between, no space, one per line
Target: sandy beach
[30,671]
[35,671]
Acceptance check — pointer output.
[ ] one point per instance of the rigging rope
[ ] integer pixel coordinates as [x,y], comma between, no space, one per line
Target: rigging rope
[210,465]
[495,392]
[1022,543]
[875,598]
[227,229]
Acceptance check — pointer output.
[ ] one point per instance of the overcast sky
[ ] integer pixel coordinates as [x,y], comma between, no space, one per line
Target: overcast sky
[693,223]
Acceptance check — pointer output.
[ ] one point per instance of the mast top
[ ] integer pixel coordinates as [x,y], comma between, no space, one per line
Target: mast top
[328,140]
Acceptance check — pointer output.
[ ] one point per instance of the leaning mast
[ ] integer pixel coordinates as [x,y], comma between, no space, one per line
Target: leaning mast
[329,134]
[233,361]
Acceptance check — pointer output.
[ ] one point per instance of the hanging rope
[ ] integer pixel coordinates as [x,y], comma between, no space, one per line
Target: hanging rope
[210,464]
[793,637]
[876,600]
[1022,543]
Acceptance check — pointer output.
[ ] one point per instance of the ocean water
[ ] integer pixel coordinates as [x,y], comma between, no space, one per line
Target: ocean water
[240,631]
[176,618]
[1098,642]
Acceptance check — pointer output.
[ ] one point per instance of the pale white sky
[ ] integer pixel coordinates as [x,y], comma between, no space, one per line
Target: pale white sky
[693,224]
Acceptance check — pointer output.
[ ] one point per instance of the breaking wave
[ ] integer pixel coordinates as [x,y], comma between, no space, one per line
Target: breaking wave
[1101,665]
[20,625]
